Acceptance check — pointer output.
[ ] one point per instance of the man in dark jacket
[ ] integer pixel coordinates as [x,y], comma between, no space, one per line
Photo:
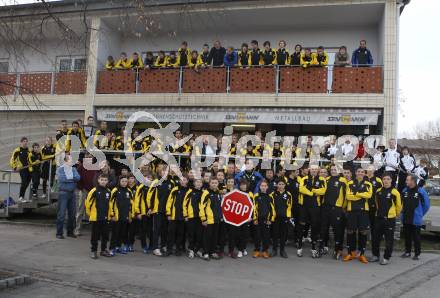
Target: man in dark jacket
[217,54]
[362,56]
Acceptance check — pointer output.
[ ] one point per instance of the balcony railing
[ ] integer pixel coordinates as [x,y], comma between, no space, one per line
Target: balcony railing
[44,83]
[277,79]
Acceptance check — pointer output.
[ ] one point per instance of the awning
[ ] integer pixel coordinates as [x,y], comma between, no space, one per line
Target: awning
[249,115]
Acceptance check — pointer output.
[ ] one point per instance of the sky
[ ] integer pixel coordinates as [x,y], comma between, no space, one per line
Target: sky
[419,67]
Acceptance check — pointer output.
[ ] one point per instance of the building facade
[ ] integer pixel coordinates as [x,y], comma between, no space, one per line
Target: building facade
[53,67]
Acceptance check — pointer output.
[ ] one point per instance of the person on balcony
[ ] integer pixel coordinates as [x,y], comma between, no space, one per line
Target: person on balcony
[362,56]
[244,55]
[269,55]
[173,60]
[295,58]
[255,57]
[161,60]
[204,56]
[306,59]
[184,54]
[230,59]
[110,64]
[149,60]
[283,57]
[135,62]
[217,54]
[342,58]
[123,62]
[194,61]
[320,58]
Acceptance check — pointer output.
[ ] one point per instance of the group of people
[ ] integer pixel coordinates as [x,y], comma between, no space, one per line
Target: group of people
[248,55]
[183,214]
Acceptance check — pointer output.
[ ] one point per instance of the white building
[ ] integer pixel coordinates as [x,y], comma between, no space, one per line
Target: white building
[59,52]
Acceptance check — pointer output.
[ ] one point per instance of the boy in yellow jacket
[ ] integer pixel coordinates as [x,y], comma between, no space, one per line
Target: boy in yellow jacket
[97,209]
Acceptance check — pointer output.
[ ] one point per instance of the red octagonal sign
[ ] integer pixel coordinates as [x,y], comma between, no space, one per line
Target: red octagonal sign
[237,207]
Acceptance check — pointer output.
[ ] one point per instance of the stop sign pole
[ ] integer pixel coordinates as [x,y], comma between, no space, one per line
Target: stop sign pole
[237,207]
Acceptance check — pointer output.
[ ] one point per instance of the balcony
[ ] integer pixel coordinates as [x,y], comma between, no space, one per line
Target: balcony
[276,80]
[35,83]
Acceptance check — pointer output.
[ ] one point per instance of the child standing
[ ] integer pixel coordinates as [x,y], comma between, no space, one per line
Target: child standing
[120,215]
[193,224]
[133,223]
[97,209]
[264,213]
[35,159]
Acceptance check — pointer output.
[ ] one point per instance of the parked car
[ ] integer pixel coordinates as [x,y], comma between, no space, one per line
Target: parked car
[432,187]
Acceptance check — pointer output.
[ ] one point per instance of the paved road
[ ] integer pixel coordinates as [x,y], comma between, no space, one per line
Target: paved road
[62,268]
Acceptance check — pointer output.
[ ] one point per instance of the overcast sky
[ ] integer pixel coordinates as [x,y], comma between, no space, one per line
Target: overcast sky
[419,72]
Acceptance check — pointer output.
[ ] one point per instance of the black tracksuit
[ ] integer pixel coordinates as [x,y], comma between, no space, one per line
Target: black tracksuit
[263,214]
[193,224]
[99,227]
[216,56]
[121,200]
[176,225]
[36,171]
[283,212]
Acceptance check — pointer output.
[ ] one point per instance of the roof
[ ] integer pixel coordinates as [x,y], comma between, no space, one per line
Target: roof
[420,145]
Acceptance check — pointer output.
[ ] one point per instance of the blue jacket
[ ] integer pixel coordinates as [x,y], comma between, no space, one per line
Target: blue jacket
[421,209]
[255,180]
[67,181]
[355,57]
[230,60]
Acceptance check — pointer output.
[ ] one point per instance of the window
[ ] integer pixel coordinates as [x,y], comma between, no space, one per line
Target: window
[4,65]
[71,64]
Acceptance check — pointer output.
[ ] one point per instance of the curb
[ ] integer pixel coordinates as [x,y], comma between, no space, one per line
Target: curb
[15,281]
[23,223]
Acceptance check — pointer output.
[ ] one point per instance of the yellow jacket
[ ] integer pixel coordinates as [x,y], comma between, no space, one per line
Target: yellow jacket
[187,54]
[175,63]
[161,62]
[123,64]
[141,200]
[81,136]
[175,202]
[306,61]
[20,158]
[131,63]
[98,196]
[358,194]
[114,210]
[335,192]
[316,62]
[210,207]
[311,190]
[388,202]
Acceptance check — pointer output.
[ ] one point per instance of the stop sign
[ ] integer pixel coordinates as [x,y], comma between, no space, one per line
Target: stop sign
[237,207]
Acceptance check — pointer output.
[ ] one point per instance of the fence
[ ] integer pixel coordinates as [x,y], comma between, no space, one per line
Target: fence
[272,79]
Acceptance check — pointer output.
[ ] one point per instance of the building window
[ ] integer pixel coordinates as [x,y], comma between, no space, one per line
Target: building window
[4,65]
[71,64]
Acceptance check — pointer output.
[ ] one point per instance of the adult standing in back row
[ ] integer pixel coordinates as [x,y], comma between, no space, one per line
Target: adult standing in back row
[362,56]
[217,54]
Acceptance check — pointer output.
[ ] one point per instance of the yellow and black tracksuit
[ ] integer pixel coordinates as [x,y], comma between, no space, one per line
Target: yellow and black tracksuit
[110,65]
[256,58]
[243,58]
[312,189]
[157,201]
[269,57]
[376,182]
[123,64]
[184,56]
[389,206]
[203,59]
[173,62]
[283,57]
[134,225]
[120,215]
[97,208]
[176,220]
[161,62]
[61,133]
[332,212]
[142,208]
[320,60]
[282,203]
[20,160]
[194,228]
[135,64]
[77,133]
[264,213]
[194,62]
[210,211]
[358,194]
[104,143]
[306,60]
[35,160]
[48,155]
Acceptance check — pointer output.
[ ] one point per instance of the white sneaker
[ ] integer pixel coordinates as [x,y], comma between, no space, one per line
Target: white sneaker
[21,200]
[190,254]
[299,252]
[206,257]
[308,239]
[325,250]
[43,196]
[157,252]
[315,253]
[199,254]
[239,254]
[245,253]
